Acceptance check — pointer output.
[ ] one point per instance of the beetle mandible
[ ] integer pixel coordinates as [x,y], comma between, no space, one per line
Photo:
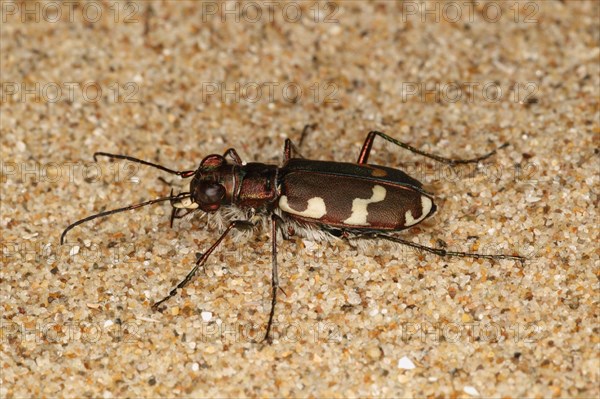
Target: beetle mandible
[348,200]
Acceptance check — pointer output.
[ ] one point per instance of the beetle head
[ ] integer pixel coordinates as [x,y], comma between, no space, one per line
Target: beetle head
[206,187]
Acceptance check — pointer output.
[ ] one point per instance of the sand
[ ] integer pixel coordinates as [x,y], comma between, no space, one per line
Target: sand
[172,82]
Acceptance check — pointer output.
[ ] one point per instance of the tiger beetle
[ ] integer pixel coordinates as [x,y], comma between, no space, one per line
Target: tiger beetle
[347,200]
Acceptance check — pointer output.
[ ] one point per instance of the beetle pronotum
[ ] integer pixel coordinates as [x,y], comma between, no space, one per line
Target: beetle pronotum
[348,200]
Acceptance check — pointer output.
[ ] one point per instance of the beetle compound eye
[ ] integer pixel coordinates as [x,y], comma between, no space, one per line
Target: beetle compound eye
[210,193]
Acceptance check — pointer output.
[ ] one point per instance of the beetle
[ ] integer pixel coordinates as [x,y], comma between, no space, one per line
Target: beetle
[348,200]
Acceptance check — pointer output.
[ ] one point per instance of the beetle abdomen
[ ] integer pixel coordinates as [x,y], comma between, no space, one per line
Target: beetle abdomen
[354,203]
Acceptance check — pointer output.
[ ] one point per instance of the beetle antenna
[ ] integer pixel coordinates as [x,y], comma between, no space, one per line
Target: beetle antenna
[113,211]
[182,173]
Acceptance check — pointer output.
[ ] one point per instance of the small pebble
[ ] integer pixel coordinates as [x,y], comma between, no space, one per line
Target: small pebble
[469,390]
[406,364]
[206,316]
[374,352]
[74,251]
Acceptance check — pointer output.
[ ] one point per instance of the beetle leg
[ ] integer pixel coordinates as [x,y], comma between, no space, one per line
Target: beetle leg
[236,224]
[175,214]
[175,211]
[287,151]
[289,144]
[281,223]
[442,252]
[232,153]
[305,131]
[366,149]
[274,277]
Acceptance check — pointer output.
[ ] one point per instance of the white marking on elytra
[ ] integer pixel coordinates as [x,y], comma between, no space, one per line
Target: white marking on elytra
[425,209]
[359,207]
[316,208]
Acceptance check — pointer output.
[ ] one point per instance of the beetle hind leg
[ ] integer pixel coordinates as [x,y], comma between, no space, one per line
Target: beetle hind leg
[441,251]
[368,144]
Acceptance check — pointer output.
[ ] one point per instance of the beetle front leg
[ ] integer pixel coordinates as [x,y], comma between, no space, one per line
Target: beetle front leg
[232,153]
[176,215]
[366,150]
[175,211]
[236,224]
